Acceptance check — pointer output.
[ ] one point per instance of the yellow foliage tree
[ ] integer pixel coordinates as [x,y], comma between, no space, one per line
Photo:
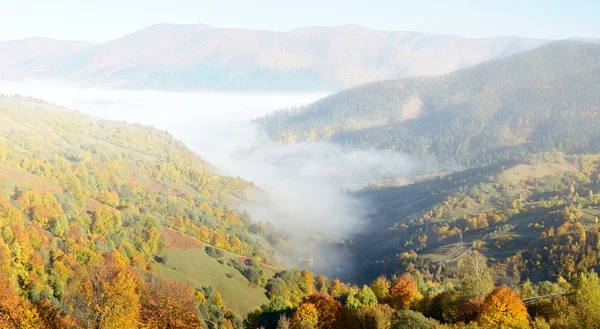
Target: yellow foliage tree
[307,282]
[381,288]
[218,299]
[306,316]
[503,308]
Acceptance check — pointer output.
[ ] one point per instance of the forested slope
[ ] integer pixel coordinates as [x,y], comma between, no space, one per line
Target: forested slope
[542,100]
[519,213]
[84,205]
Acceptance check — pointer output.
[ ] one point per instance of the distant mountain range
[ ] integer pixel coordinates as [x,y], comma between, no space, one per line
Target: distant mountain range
[201,57]
[537,101]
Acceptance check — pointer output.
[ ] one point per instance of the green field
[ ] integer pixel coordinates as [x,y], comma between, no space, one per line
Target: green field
[589,215]
[199,270]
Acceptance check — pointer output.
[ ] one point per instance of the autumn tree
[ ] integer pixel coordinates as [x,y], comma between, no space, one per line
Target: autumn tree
[169,304]
[321,283]
[444,306]
[403,292]
[216,296]
[10,309]
[307,282]
[469,309]
[503,308]
[337,288]
[559,311]
[376,316]
[381,288]
[105,296]
[106,220]
[329,310]
[305,316]
[51,317]
[109,198]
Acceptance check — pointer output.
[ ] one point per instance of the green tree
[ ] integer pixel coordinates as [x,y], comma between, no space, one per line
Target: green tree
[587,300]
[475,276]
[413,320]
[363,297]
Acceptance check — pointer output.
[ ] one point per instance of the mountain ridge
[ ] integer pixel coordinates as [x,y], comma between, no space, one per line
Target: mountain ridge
[202,57]
[491,110]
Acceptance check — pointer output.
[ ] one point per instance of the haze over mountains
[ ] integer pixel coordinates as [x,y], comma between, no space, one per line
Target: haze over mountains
[201,57]
[541,100]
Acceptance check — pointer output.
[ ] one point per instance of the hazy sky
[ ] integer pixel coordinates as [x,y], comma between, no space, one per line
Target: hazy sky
[99,21]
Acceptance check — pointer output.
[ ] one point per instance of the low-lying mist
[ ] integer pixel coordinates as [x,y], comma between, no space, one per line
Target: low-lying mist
[300,185]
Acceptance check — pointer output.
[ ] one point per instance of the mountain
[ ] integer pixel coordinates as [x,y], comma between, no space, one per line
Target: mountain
[197,56]
[541,100]
[35,54]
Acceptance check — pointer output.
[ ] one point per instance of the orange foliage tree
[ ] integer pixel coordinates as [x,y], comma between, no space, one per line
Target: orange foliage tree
[169,304]
[329,310]
[105,296]
[503,308]
[403,292]
[10,310]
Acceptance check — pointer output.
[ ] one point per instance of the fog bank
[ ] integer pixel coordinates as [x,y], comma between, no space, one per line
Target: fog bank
[300,184]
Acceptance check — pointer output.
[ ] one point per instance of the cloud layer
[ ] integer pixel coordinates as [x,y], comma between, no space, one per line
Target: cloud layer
[300,185]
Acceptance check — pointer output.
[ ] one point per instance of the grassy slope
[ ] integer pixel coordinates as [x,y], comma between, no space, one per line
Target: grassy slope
[187,261]
[198,269]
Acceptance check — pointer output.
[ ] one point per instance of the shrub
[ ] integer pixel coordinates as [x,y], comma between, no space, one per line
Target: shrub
[214,252]
[413,320]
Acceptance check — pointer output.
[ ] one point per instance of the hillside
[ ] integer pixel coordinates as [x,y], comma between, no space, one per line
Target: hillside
[506,211]
[542,100]
[197,56]
[87,206]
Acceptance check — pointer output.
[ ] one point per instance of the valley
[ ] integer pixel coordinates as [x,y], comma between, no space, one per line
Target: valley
[462,200]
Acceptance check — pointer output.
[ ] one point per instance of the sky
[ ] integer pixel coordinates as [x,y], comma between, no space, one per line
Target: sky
[100,21]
